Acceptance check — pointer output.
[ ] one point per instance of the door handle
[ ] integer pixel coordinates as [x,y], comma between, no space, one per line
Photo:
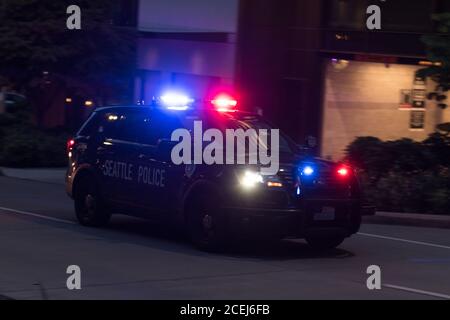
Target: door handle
[104,150]
[146,157]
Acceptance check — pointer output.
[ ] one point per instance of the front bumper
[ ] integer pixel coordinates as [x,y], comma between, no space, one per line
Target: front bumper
[297,222]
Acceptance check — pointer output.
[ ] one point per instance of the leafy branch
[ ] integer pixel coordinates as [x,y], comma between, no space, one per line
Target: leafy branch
[438,52]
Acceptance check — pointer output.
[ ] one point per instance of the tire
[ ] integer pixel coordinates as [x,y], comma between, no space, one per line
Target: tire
[325,243]
[89,207]
[207,224]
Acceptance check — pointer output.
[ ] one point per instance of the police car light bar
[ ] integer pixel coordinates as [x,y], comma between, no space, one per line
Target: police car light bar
[224,103]
[176,101]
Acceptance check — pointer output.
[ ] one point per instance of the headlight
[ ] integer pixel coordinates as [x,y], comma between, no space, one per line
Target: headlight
[251,179]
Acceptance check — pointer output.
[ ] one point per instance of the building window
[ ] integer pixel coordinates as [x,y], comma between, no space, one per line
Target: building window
[406,15]
[443,6]
[346,14]
[397,15]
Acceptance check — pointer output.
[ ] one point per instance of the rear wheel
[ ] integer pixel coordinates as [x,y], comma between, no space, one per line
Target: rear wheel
[324,243]
[89,207]
[207,223]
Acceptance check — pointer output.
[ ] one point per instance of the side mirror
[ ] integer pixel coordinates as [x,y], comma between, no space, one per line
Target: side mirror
[302,148]
[311,142]
[309,147]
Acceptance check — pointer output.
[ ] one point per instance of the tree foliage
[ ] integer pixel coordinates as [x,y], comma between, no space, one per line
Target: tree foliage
[438,49]
[404,175]
[34,38]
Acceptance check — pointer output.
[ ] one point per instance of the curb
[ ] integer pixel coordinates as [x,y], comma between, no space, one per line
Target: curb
[409,219]
[42,175]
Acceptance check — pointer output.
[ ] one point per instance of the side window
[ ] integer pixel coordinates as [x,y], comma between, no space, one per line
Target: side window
[156,127]
[119,127]
[143,128]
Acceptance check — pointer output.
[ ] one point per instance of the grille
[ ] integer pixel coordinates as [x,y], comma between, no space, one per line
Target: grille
[325,183]
[324,176]
[286,175]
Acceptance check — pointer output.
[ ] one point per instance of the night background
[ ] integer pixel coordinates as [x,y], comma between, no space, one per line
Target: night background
[376,100]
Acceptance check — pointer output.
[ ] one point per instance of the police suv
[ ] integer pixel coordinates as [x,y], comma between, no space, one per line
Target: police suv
[121,162]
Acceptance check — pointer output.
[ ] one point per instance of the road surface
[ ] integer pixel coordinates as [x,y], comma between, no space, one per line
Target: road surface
[133,259]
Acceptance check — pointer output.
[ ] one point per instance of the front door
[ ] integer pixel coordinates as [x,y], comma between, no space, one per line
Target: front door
[158,180]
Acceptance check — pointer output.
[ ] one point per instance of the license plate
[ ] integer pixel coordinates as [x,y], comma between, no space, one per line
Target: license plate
[327,214]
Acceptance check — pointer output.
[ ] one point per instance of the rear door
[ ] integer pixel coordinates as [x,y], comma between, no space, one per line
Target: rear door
[116,156]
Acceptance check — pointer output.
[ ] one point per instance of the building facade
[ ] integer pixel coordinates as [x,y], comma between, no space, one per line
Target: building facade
[189,45]
[323,73]
[311,66]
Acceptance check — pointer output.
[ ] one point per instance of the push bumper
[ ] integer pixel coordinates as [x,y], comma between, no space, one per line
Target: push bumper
[297,222]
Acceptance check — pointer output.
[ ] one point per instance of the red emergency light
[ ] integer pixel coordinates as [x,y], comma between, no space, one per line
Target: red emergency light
[343,171]
[224,103]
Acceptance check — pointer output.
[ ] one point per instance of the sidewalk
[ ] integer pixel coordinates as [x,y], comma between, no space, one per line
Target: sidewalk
[47,175]
[410,219]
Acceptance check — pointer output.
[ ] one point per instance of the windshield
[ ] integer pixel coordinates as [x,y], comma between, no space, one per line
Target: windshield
[246,122]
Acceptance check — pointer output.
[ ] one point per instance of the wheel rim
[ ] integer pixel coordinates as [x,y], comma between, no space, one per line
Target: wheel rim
[207,222]
[90,206]
[206,226]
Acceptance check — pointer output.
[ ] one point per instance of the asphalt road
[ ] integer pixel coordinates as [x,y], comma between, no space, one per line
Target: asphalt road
[133,259]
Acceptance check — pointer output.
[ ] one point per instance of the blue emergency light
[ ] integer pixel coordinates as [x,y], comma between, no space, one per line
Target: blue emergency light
[308,171]
[176,101]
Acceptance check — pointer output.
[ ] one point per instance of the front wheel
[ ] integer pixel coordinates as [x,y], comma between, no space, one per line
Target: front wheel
[324,243]
[207,223]
[89,207]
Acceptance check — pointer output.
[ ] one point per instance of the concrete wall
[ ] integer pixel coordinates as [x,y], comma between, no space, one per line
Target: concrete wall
[188,16]
[192,57]
[193,66]
[191,46]
[363,100]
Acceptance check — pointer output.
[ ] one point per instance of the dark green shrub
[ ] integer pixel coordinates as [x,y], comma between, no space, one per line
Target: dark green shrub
[23,145]
[408,156]
[28,147]
[404,175]
[370,157]
[439,145]
[52,151]
[19,149]
[376,157]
